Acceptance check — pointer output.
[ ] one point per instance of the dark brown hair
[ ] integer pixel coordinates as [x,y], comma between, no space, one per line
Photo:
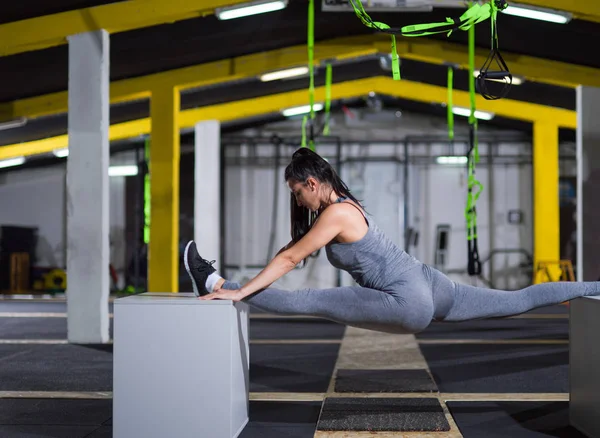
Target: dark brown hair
[305,164]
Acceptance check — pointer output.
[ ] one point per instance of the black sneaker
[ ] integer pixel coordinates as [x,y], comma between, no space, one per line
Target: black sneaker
[197,268]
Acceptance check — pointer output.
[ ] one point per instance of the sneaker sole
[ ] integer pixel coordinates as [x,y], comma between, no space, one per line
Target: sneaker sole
[187,268]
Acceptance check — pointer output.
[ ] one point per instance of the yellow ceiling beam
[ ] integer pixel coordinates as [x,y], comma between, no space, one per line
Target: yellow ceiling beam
[582,9]
[274,103]
[532,69]
[52,30]
[199,75]
[512,109]
[419,49]
[188,118]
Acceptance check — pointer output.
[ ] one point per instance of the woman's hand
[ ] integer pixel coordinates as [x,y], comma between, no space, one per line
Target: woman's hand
[224,294]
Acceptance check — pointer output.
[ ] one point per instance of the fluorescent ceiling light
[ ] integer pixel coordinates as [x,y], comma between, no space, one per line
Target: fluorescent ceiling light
[516,80]
[10,124]
[12,162]
[250,8]
[483,115]
[112,170]
[61,153]
[122,170]
[284,74]
[534,13]
[304,109]
[451,160]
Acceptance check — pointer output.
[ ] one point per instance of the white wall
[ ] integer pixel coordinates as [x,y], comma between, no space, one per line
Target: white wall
[440,197]
[36,198]
[437,195]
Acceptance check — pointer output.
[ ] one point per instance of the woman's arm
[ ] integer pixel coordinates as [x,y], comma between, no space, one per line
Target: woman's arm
[325,229]
[288,246]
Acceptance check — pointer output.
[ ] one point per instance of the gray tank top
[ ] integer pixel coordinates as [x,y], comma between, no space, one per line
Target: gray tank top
[374,261]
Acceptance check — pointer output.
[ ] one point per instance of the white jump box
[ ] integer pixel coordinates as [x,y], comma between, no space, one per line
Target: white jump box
[180,367]
[584,365]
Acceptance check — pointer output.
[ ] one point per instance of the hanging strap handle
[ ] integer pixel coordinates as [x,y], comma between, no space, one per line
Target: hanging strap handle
[502,75]
[308,121]
[328,81]
[450,104]
[474,263]
[474,15]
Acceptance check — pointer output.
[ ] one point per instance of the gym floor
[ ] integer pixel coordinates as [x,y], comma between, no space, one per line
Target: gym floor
[314,378]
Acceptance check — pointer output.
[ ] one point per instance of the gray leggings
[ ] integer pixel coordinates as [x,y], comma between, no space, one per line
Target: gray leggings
[423,294]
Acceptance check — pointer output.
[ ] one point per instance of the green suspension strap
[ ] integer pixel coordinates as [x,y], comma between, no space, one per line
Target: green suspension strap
[450,106]
[147,196]
[328,80]
[474,15]
[474,264]
[306,123]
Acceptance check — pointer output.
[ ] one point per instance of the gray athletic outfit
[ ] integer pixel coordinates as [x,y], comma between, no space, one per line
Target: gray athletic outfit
[399,294]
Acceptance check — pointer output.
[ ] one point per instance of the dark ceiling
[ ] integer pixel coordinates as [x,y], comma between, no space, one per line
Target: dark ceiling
[202,40]
[37,8]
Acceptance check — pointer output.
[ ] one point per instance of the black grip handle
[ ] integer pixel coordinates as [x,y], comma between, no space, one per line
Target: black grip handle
[495,75]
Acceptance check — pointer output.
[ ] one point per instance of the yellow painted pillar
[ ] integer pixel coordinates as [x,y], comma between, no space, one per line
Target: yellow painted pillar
[163,251]
[546,215]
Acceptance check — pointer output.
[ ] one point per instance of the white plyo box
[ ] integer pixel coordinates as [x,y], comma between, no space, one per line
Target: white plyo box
[180,367]
[584,365]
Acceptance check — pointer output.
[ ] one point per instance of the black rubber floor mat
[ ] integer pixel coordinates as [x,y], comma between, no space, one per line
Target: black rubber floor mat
[101,432]
[384,381]
[37,328]
[291,368]
[289,413]
[555,329]
[520,419]
[274,419]
[295,329]
[46,431]
[27,306]
[77,412]
[498,368]
[55,368]
[382,414]
[253,430]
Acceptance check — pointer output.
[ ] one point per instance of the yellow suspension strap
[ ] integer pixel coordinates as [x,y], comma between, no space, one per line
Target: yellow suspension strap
[474,263]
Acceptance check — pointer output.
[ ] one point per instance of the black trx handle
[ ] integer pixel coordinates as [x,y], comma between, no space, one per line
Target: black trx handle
[474,263]
[486,78]
[502,75]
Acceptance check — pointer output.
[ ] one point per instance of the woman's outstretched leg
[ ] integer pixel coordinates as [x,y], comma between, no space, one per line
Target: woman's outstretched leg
[352,305]
[470,302]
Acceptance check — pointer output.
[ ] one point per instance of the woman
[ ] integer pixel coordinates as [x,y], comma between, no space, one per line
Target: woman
[396,292]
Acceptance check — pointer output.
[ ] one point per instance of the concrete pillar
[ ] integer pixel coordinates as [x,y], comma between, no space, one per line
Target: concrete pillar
[87,189]
[207,190]
[588,184]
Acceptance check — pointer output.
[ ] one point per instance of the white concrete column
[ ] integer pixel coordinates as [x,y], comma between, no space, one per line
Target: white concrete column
[207,189]
[88,189]
[588,184]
